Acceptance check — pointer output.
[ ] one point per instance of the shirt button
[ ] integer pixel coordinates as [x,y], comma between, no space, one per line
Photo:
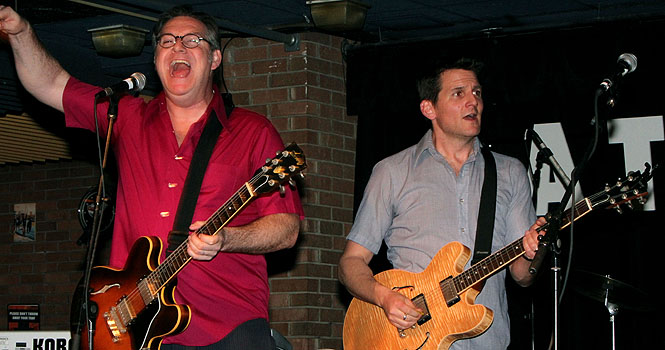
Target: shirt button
[462,229]
[164,214]
[461,200]
[177,157]
[172,184]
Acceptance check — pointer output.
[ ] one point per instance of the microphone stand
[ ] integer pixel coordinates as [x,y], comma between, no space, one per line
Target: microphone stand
[91,309]
[554,220]
[545,155]
[547,243]
[535,180]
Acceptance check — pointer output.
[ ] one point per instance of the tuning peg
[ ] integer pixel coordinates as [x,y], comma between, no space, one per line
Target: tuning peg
[642,200]
[629,204]
[607,187]
[618,209]
[292,182]
[302,176]
[618,184]
[281,190]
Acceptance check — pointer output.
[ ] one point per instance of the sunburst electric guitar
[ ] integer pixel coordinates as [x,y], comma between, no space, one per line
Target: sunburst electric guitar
[136,305]
[447,294]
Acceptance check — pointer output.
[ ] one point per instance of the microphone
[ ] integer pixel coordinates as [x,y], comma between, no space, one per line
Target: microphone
[135,83]
[626,63]
[547,153]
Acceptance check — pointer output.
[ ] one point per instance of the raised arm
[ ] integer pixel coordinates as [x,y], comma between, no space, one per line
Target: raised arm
[38,71]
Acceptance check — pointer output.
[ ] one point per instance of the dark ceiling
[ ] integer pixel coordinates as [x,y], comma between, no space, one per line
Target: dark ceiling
[63,25]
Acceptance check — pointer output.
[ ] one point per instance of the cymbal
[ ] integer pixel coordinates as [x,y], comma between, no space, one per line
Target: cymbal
[599,287]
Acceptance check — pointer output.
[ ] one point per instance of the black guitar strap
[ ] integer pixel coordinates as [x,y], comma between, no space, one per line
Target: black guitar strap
[486,212]
[197,168]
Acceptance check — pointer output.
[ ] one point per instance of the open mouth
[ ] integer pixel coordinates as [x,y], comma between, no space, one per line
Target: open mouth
[180,68]
[471,116]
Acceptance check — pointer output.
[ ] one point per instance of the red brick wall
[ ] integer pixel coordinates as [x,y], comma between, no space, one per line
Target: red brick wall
[303,93]
[45,271]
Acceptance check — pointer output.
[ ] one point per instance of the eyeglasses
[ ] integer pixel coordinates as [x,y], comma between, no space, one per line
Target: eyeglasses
[190,40]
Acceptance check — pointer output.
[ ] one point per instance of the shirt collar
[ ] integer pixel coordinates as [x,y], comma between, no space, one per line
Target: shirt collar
[216,104]
[426,148]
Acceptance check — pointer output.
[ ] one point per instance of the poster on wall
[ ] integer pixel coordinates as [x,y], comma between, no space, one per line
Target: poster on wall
[25,225]
[23,317]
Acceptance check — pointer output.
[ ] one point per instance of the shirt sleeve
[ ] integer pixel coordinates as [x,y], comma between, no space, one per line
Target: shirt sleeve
[261,141]
[78,101]
[374,216]
[521,214]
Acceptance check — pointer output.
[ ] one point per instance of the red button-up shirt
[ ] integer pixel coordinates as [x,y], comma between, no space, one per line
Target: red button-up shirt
[232,288]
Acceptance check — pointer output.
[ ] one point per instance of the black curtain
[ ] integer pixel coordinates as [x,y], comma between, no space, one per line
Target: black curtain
[533,78]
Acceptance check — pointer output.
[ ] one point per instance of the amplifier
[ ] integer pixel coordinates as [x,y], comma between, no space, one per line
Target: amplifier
[34,340]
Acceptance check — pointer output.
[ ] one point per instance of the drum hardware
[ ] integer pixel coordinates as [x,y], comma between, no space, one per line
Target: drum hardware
[614,294]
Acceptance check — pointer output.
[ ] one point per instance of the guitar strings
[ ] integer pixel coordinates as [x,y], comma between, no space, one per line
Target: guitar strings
[502,257]
[152,281]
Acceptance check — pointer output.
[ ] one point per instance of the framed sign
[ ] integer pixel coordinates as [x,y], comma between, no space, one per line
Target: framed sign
[23,317]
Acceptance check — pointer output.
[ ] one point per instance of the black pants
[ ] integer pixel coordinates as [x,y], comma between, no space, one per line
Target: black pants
[251,335]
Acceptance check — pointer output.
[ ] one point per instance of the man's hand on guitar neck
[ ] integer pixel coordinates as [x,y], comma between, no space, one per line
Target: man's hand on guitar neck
[201,246]
[530,241]
[266,234]
[519,269]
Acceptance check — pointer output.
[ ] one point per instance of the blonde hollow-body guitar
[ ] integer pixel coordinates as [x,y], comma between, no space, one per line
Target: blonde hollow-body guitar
[447,293]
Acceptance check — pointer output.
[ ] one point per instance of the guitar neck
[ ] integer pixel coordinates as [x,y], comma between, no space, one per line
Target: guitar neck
[501,258]
[167,270]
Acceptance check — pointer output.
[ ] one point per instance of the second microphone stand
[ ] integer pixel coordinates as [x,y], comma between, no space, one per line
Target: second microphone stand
[549,241]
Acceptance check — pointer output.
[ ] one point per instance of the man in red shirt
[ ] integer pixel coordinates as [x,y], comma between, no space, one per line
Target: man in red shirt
[226,284]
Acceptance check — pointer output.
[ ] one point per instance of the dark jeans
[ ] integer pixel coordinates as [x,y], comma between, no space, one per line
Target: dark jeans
[251,335]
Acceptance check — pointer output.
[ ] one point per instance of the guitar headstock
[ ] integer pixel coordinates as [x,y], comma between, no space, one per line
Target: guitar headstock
[624,191]
[280,169]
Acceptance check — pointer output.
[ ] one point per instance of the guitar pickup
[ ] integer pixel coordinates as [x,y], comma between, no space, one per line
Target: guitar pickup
[449,291]
[421,302]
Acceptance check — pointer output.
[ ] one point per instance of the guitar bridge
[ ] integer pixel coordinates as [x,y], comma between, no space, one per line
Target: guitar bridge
[117,319]
[115,326]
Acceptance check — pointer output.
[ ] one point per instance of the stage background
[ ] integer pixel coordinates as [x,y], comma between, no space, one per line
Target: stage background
[535,78]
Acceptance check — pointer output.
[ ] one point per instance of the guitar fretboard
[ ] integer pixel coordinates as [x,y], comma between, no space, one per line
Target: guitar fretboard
[505,255]
[179,257]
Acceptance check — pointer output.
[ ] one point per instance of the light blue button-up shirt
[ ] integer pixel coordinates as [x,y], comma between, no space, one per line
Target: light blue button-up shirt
[417,204]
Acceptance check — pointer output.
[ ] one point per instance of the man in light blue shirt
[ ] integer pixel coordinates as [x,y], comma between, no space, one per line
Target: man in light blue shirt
[428,195]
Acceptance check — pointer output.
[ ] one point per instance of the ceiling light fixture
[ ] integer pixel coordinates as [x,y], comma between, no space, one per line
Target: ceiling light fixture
[338,15]
[119,40]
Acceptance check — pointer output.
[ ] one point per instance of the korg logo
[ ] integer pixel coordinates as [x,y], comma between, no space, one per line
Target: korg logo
[50,344]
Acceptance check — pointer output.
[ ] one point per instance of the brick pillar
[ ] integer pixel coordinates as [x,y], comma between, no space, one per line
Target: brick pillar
[303,94]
